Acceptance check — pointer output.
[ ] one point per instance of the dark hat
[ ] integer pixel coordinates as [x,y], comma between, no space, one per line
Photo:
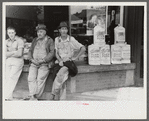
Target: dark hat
[41,26]
[63,24]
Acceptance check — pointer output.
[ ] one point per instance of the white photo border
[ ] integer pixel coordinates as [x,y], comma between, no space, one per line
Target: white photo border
[74,109]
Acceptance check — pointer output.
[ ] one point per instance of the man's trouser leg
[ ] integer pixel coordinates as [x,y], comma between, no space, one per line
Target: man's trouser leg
[63,91]
[43,73]
[32,83]
[13,71]
[58,88]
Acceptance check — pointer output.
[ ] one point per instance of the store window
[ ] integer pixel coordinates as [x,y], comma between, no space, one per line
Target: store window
[113,19]
[85,18]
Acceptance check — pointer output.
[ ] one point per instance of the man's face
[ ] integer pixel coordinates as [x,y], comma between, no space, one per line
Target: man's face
[63,31]
[41,33]
[11,33]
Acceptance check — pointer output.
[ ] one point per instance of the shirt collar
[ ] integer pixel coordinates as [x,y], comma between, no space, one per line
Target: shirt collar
[14,39]
[67,40]
[42,38]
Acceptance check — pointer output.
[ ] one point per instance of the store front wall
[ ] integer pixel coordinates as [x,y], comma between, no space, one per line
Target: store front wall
[131,18]
[100,76]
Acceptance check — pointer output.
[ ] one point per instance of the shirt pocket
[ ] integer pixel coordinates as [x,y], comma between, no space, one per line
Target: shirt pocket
[60,46]
[12,46]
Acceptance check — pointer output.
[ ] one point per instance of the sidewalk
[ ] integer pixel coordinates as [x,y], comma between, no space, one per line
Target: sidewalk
[124,93]
[115,94]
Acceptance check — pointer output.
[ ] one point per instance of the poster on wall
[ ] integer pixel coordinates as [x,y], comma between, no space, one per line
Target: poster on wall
[96,15]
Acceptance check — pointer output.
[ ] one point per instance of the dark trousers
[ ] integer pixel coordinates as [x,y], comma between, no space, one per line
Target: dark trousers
[72,68]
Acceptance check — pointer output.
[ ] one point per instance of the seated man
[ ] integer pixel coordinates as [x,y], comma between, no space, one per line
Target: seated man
[65,46]
[14,62]
[41,55]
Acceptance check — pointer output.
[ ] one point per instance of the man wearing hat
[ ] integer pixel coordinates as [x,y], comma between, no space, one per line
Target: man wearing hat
[41,55]
[65,46]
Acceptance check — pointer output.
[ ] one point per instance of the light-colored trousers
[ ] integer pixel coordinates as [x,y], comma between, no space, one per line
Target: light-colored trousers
[13,70]
[59,84]
[37,78]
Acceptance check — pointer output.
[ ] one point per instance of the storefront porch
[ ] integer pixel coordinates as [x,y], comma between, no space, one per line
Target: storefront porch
[89,78]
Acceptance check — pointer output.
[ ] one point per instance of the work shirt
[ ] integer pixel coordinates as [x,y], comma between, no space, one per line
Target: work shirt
[66,48]
[14,45]
[40,50]
[48,45]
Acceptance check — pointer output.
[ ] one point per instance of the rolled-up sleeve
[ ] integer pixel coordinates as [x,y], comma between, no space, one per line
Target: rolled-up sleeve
[20,43]
[75,44]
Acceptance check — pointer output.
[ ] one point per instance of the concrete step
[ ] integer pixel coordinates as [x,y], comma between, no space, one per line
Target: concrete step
[21,91]
[81,97]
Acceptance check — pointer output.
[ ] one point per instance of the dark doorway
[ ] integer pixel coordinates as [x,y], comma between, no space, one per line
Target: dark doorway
[134,22]
[53,16]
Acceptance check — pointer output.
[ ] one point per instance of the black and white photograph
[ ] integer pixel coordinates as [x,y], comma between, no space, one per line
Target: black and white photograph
[78,59]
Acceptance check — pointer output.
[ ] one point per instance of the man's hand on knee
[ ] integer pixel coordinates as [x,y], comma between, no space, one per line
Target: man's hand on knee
[61,63]
[35,62]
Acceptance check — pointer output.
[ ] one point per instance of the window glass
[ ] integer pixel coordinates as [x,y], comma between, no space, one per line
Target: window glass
[83,21]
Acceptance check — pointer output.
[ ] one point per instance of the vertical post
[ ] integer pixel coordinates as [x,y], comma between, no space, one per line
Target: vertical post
[139,33]
[121,15]
[69,14]
[106,18]
[134,24]
[4,8]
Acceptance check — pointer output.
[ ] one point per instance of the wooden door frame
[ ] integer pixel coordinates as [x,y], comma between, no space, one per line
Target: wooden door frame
[133,22]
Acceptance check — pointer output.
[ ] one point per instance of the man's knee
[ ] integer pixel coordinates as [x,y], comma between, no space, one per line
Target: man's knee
[42,76]
[14,76]
[31,78]
[63,70]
